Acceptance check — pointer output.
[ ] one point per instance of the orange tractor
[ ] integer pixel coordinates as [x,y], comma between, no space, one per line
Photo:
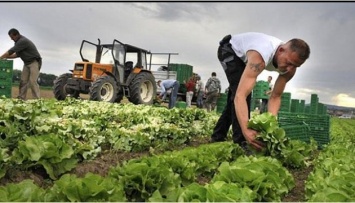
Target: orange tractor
[108,72]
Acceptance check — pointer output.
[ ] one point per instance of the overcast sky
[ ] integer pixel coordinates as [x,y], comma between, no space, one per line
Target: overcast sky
[193,30]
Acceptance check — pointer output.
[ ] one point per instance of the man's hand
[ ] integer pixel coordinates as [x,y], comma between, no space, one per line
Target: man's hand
[250,137]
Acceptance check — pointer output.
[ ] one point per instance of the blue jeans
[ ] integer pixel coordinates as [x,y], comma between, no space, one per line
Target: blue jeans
[199,99]
[173,94]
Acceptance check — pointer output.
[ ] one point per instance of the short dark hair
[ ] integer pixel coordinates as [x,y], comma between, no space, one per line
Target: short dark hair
[13,31]
[300,47]
[214,74]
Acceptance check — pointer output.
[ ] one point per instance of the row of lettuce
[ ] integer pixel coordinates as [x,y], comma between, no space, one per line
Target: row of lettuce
[333,177]
[170,177]
[58,134]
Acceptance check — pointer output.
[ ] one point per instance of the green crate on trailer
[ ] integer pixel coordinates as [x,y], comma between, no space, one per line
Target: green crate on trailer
[183,71]
[319,125]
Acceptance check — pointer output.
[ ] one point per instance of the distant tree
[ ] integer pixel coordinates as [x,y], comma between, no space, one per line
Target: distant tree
[46,79]
[16,75]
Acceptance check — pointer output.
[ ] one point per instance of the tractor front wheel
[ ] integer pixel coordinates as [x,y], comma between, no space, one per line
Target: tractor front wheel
[105,88]
[60,89]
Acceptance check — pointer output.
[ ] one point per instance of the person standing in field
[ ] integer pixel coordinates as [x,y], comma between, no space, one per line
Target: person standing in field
[27,51]
[243,57]
[212,91]
[165,85]
[190,89]
[199,92]
[264,101]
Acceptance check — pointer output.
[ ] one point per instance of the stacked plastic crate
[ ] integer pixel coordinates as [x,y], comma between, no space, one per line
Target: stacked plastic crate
[314,104]
[305,126]
[311,123]
[6,71]
[285,102]
[302,106]
[259,90]
[259,93]
[295,105]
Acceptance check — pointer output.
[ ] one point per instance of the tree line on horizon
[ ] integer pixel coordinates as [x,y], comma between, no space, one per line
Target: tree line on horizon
[44,79]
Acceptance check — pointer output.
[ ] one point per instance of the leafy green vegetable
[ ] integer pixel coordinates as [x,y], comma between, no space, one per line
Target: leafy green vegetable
[92,187]
[294,153]
[25,191]
[263,175]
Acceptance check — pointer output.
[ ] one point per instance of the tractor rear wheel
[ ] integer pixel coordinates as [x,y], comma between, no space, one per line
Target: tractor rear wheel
[60,90]
[143,89]
[105,88]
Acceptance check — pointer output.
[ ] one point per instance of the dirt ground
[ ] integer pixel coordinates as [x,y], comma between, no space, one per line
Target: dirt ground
[45,93]
[107,159]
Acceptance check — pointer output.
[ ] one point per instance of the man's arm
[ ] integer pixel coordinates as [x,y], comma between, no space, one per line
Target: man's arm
[254,67]
[6,55]
[279,86]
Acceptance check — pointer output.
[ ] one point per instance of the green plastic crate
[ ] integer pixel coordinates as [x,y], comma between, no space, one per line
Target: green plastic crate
[319,125]
[297,132]
[6,69]
[5,91]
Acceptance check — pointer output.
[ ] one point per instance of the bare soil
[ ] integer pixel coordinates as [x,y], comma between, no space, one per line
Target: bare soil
[107,159]
[45,93]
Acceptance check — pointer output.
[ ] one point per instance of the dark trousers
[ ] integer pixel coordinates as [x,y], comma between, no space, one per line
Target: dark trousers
[233,67]
[264,103]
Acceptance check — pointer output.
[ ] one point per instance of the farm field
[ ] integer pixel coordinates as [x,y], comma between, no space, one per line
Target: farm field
[114,140]
[45,93]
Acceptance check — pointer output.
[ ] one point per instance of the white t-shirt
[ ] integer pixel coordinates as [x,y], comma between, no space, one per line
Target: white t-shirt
[266,45]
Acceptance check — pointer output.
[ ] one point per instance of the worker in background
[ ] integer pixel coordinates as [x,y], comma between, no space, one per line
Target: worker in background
[190,89]
[200,91]
[165,85]
[212,91]
[27,51]
[264,101]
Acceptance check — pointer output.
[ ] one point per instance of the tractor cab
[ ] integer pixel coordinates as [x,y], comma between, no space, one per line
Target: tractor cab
[128,58]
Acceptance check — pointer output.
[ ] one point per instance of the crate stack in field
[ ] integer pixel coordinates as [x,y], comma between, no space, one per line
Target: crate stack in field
[302,121]
[285,102]
[6,71]
[259,93]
